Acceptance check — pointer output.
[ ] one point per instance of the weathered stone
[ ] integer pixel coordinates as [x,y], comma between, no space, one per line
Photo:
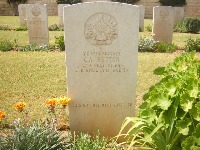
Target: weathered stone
[60,14]
[101,57]
[37,22]
[179,14]
[22,14]
[163,23]
[141,22]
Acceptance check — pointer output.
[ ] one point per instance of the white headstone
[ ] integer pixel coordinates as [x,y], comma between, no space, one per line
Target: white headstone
[60,14]
[22,14]
[101,41]
[37,21]
[163,23]
[141,22]
[179,14]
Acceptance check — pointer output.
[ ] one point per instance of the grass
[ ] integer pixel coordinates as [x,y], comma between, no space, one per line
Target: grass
[34,77]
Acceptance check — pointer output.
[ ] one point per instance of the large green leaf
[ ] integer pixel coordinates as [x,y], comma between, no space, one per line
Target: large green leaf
[183,125]
[195,111]
[163,101]
[186,102]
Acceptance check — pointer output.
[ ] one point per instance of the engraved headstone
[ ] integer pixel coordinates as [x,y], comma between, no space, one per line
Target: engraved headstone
[101,58]
[60,14]
[141,22]
[37,22]
[22,14]
[163,22]
[179,14]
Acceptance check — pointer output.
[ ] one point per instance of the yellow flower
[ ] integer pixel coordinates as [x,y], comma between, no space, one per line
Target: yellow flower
[64,101]
[2,115]
[20,106]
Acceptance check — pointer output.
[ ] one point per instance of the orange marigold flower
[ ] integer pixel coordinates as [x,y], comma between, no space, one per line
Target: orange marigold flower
[2,115]
[51,102]
[64,101]
[20,106]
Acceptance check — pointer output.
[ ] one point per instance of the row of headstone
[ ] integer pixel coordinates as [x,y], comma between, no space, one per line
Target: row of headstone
[164,18]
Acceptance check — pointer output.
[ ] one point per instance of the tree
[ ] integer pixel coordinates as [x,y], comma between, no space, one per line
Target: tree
[14,5]
[172,2]
[68,1]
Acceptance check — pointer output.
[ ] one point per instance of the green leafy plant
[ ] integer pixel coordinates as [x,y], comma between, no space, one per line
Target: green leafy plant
[147,44]
[6,45]
[21,28]
[170,112]
[192,142]
[34,137]
[148,28]
[165,47]
[55,27]
[188,25]
[192,44]
[172,2]
[60,42]
[83,141]
[34,47]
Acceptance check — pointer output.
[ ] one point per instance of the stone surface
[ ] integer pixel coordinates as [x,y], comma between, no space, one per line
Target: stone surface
[94,0]
[179,14]
[141,22]
[60,14]
[37,22]
[22,14]
[101,58]
[163,22]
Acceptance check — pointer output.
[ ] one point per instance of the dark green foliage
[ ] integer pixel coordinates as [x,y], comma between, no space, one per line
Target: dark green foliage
[188,25]
[192,44]
[14,5]
[60,42]
[68,1]
[6,45]
[192,25]
[35,137]
[126,1]
[165,47]
[21,29]
[172,2]
[55,27]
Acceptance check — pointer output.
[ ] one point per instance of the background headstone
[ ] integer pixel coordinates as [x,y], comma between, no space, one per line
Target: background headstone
[94,0]
[163,23]
[60,14]
[141,22]
[37,21]
[22,14]
[179,14]
[101,58]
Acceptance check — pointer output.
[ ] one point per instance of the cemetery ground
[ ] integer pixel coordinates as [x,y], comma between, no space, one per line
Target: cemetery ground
[33,77]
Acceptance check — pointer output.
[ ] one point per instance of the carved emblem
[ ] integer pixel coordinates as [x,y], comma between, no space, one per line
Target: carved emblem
[164,13]
[36,11]
[101,29]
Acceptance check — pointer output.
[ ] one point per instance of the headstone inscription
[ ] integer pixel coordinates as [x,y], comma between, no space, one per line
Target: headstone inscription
[37,22]
[163,23]
[60,14]
[22,14]
[101,58]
